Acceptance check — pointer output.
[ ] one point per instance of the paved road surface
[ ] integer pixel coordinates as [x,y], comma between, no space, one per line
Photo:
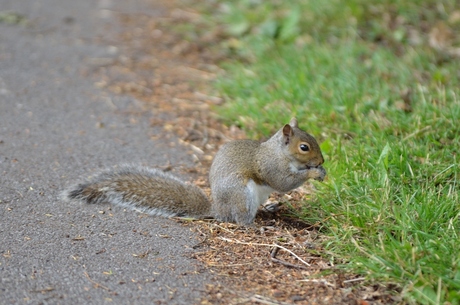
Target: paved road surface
[56,126]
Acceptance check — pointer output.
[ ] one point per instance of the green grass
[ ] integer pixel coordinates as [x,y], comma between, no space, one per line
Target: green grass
[363,77]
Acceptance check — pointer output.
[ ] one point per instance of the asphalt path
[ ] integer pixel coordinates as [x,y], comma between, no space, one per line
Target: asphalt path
[56,126]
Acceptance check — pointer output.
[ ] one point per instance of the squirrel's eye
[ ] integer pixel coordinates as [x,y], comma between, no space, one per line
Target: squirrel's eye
[304,147]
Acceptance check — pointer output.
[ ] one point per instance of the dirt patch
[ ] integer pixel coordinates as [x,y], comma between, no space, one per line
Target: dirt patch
[280,259]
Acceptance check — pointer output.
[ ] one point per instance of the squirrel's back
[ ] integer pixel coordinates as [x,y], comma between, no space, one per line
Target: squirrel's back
[148,190]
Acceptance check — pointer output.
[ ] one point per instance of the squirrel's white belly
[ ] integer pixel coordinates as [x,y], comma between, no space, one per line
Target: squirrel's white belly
[258,193]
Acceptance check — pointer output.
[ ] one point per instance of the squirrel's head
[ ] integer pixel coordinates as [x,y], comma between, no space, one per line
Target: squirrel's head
[301,145]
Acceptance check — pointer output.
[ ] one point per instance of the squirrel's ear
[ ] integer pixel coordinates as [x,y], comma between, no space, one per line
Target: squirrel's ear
[293,122]
[287,133]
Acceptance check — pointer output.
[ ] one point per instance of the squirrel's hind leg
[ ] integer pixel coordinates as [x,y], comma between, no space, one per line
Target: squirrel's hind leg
[239,204]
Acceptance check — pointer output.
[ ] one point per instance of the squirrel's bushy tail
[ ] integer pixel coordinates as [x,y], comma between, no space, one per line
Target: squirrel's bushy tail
[143,189]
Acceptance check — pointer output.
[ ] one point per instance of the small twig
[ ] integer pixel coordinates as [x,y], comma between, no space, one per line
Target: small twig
[202,240]
[276,260]
[229,265]
[266,245]
[358,279]
[264,300]
[96,284]
[44,290]
[319,281]
[222,228]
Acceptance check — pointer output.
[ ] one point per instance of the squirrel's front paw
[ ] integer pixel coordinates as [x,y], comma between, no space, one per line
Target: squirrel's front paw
[317,173]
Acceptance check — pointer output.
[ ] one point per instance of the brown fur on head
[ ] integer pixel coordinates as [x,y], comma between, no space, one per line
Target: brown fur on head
[302,145]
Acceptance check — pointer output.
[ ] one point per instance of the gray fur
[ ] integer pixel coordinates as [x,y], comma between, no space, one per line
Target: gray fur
[242,176]
[143,189]
[245,172]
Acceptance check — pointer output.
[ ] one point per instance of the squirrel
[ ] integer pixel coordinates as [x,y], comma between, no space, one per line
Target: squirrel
[243,174]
